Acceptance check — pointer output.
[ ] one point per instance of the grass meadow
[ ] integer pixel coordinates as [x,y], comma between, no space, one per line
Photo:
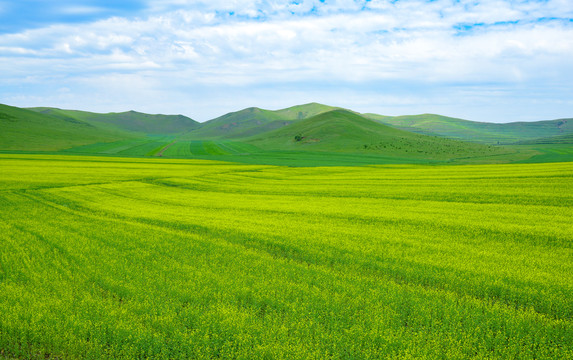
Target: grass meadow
[107,257]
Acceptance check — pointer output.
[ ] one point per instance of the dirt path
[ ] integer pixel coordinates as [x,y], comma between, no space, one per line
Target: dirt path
[160,152]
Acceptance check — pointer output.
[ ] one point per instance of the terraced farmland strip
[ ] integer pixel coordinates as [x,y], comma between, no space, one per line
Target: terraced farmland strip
[141,149]
[235,147]
[196,148]
[213,148]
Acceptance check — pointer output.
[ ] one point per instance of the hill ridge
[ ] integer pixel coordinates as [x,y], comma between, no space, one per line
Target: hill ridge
[342,130]
[130,121]
[252,121]
[310,127]
[476,131]
[27,130]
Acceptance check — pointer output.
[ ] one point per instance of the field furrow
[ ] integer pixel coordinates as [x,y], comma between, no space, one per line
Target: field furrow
[191,259]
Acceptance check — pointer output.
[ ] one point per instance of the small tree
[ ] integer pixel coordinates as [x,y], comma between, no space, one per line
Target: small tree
[298,137]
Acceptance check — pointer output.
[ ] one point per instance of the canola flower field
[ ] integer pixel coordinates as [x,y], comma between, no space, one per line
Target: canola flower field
[175,259]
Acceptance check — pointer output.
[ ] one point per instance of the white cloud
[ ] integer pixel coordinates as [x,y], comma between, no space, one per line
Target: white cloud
[181,47]
[80,10]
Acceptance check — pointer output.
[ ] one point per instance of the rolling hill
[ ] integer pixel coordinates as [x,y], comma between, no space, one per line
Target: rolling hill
[319,133]
[252,121]
[558,139]
[130,121]
[345,131]
[490,133]
[26,130]
[305,111]
[239,124]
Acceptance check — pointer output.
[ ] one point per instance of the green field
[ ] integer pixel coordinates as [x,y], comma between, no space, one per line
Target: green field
[190,149]
[148,146]
[107,257]
[547,152]
[242,152]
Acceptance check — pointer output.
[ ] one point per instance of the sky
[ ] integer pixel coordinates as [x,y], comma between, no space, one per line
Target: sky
[481,60]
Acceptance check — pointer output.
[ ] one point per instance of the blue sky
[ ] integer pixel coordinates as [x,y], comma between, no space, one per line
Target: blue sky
[19,15]
[489,60]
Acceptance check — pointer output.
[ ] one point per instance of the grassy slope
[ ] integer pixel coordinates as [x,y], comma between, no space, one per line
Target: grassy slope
[325,143]
[559,139]
[305,111]
[238,124]
[253,121]
[173,259]
[335,138]
[477,131]
[128,121]
[345,131]
[26,130]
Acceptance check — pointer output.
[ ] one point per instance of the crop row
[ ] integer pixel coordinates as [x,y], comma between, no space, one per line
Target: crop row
[167,258]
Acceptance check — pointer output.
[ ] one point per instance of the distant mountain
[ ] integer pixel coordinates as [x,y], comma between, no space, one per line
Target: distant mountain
[131,121]
[346,131]
[491,133]
[22,129]
[252,121]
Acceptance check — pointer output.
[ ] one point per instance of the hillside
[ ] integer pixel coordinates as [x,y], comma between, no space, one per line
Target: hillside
[345,131]
[131,121]
[305,111]
[559,139]
[27,130]
[490,133]
[252,121]
[306,134]
[243,123]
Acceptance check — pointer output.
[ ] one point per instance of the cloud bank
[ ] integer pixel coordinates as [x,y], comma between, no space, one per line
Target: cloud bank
[489,60]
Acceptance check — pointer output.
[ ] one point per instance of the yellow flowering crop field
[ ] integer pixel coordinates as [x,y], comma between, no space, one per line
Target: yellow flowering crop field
[176,259]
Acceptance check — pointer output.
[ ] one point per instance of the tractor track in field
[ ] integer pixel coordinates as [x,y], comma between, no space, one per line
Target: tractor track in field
[160,152]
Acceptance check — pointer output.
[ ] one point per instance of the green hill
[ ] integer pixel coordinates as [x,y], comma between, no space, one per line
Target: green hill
[345,131]
[490,133]
[311,131]
[252,121]
[305,111]
[559,139]
[27,130]
[131,121]
[239,124]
